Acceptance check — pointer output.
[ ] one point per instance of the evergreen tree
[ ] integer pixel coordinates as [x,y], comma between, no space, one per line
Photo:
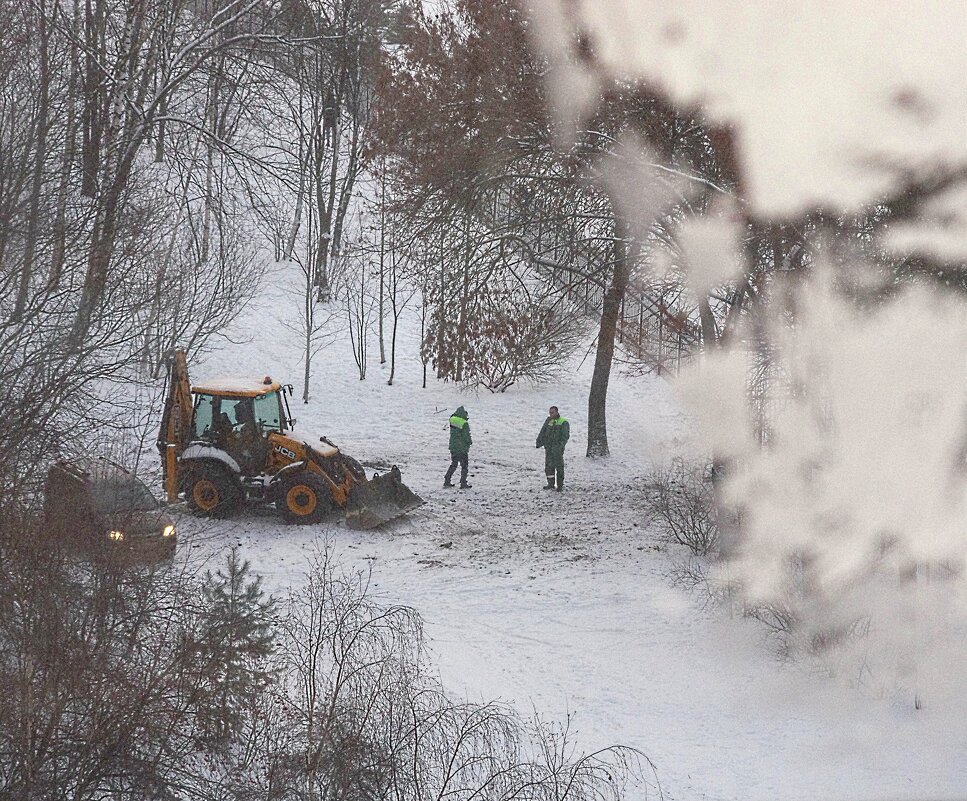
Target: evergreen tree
[236,639]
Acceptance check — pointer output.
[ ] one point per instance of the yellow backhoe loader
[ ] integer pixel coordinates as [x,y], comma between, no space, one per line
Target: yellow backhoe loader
[230,441]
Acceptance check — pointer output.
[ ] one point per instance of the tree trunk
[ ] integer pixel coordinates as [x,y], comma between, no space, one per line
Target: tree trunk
[212,113]
[611,308]
[709,329]
[423,338]
[464,302]
[206,227]
[160,133]
[93,96]
[382,272]
[309,323]
[305,154]
[37,178]
[394,298]
[297,216]
[122,137]
[326,198]
[392,352]
[59,244]
[320,278]
[346,186]
[98,262]
[442,309]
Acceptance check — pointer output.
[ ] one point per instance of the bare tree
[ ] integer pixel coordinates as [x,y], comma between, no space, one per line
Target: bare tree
[359,305]
[138,83]
[487,175]
[326,101]
[400,294]
[366,719]
[315,324]
[105,688]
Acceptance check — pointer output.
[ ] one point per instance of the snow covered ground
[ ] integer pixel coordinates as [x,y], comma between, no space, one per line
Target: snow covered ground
[564,603]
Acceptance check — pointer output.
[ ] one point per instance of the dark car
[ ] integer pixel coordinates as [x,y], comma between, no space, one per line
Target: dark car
[100,508]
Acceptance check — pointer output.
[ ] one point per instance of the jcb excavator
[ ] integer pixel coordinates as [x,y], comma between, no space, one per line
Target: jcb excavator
[232,440]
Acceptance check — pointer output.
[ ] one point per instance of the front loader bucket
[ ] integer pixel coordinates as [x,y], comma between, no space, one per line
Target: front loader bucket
[380,499]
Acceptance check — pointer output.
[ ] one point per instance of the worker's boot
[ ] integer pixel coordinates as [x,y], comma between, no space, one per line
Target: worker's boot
[465,485]
[560,485]
[448,484]
[550,482]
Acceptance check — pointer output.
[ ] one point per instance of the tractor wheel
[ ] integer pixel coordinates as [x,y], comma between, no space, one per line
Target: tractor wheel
[304,498]
[210,492]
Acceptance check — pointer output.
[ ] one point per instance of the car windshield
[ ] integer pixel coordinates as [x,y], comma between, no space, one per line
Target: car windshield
[122,494]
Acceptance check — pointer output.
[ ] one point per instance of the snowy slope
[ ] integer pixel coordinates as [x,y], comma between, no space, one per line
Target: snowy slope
[564,603]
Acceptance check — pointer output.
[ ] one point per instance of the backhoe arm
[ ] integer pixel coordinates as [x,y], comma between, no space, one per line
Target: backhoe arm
[175,421]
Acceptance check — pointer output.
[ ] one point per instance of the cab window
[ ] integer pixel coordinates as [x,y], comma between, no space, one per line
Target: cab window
[203,417]
[267,411]
[230,409]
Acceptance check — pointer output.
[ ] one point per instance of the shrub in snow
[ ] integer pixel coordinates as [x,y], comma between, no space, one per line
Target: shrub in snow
[682,505]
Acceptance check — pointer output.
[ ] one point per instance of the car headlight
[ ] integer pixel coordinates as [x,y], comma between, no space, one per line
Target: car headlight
[116,535]
[168,531]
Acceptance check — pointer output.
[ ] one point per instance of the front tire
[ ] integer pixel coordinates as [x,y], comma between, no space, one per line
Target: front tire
[304,498]
[211,492]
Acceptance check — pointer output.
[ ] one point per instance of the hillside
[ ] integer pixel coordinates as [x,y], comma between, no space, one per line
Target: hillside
[567,604]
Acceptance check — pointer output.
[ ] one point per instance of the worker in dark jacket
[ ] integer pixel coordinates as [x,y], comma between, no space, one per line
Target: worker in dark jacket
[553,437]
[460,442]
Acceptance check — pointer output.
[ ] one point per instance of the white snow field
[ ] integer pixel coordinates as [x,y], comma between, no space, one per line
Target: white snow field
[565,603]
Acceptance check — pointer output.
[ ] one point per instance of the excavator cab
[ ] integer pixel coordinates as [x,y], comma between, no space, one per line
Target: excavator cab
[241,424]
[231,440]
[217,414]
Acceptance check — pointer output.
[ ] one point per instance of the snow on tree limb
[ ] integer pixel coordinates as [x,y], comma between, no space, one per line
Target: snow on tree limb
[826,101]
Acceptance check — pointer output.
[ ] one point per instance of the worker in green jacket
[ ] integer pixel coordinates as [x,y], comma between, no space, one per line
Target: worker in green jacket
[553,437]
[460,442]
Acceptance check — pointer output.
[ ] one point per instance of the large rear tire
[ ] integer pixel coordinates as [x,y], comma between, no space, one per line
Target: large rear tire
[211,492]
[304,498]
